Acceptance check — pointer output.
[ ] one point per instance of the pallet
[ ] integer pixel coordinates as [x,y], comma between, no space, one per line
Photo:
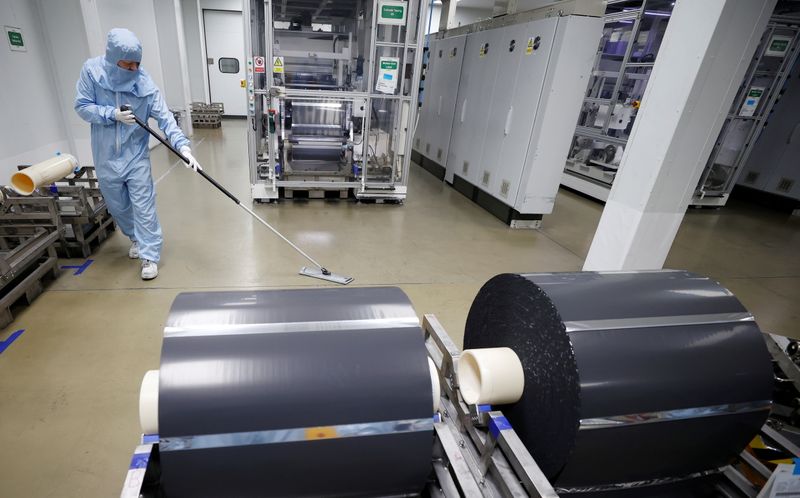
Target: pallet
[82,211]
[28,266]
[214,107]
[198,124]
[207,115]
[84,239]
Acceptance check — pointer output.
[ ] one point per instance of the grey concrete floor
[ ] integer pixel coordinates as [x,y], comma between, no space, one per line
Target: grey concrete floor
[69,384]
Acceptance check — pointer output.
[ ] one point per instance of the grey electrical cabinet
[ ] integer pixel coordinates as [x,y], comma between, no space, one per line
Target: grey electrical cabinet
[501,101]
[508,105]
[524,54]
[441,89]
[478,76]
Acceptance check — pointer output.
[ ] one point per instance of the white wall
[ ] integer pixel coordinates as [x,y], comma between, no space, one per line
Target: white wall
[436,14]
[38,89]
[464,16]
[468,15]
[170,55]
[32,127]
[195,42]
[70,49]
[194,56]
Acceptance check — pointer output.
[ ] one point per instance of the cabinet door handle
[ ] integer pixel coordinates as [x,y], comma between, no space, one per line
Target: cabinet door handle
[463,110]
[507,128]
[439,111]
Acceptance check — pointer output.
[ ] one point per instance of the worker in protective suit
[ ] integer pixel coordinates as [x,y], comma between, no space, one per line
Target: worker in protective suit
[120,147]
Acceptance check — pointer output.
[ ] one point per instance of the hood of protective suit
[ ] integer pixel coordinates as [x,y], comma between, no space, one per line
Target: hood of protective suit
[121,45]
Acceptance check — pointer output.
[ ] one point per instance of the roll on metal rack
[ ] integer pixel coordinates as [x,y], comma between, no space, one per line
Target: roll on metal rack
[635,384]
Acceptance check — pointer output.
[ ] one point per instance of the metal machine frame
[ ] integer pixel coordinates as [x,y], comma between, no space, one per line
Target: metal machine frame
[269,180]
[475,446]
[592,176]
[708,194]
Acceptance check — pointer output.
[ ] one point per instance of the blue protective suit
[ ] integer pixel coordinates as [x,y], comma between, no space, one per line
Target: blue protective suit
[121,152]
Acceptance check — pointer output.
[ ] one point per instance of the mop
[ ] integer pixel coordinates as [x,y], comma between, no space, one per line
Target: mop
[318,271]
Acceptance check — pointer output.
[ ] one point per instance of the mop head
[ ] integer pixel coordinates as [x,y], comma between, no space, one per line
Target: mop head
[324,274]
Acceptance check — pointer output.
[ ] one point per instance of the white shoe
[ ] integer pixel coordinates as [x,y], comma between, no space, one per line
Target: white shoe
[133,252]
[149,270]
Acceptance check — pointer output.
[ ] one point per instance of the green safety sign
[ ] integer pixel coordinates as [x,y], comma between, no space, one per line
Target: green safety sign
[751,101]
[392,12]
[15,41]
[387,75]
[779,45]
[15,38]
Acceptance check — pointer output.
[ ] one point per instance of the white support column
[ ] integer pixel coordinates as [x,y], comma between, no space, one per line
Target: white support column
[202,27]
[184,60]
[447,19]
[95,35]
[702,60]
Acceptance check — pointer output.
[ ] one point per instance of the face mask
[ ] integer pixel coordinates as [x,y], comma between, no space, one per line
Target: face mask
[122,80]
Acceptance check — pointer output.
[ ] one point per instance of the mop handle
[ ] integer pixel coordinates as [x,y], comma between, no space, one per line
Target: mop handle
[126,107]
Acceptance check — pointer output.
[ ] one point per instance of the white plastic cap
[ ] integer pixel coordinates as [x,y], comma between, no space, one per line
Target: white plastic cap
[148,403]
[435,386]
[491,376]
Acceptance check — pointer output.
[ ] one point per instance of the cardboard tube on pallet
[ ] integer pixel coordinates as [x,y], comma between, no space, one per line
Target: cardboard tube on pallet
[44,173]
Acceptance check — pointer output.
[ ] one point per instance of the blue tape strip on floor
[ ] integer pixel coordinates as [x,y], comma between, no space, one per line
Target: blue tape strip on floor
[78,269]
[13,337]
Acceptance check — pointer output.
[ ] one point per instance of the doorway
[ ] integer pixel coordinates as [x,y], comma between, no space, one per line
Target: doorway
[224,37]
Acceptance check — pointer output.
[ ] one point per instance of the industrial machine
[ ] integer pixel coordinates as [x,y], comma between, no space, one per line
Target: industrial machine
[501,100]
[628,50]
[332,89]
[631,39]
[587,384]
[748,151]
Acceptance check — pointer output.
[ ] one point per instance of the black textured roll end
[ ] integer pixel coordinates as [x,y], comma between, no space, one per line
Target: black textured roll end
[630,377]
[511,311]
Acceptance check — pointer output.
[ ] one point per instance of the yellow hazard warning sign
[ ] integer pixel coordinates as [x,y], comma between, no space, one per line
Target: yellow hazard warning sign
[277,64]
[529,48]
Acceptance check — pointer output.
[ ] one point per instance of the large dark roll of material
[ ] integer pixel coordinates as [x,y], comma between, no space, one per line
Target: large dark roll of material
[294,393]
[629,376]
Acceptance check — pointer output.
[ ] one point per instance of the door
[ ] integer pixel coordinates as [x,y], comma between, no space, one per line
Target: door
[524,106]
[481,56]
[224,35]
[449,54]
[501,110]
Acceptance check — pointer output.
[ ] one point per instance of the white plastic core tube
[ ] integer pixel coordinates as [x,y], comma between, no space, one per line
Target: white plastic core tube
[491,376]
[435,386]
[44,173]
[148,403]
